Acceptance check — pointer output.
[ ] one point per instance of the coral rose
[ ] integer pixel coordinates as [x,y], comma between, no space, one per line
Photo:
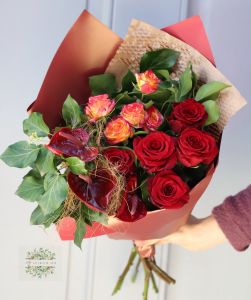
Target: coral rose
[98,107]
[147,82]
[134,114]
[118,130]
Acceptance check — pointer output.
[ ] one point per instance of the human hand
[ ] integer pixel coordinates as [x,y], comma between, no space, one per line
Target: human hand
[195,235]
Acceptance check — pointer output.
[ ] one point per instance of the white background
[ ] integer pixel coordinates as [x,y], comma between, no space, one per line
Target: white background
[30,33]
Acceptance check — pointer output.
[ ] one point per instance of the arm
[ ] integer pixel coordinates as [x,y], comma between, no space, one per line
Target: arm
[195,235]
[229,221]
[234,218]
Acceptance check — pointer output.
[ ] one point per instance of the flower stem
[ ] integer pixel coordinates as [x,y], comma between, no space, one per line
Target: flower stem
[155,287]
[162,274]
[124,273]
[147,279]
[136,271]
[140,132]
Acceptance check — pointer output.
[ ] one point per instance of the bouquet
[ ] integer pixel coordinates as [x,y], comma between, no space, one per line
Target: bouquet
[136,152]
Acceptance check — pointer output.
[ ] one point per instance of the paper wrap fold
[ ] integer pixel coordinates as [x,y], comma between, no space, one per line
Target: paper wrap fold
[87,49]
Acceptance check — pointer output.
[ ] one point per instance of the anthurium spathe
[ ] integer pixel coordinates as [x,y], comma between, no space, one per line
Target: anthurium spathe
[95,194]
[132,207]
[72,142]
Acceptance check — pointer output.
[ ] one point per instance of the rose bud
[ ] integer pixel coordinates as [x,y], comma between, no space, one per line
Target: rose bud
[153,118]
[189,113]
[134,114]
[95,194]
[147,82]
[98,107]
[168,190]
[156,151]
[118,130]
[195,146]
[132,207]
[72,142]
[122,158]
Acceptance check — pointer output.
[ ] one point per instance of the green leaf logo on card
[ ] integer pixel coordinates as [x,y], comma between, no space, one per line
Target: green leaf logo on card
[40,263]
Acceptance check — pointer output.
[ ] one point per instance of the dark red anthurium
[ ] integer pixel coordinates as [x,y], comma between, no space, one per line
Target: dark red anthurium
[132,207]
[96,193]
[72,142]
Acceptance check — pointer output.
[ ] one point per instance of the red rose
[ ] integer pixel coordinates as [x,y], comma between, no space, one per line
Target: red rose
[156,151]
[188,113]
[123,158]
[195,146]
[168,190]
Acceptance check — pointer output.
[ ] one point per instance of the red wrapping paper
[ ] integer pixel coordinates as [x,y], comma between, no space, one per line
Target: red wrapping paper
[86,50]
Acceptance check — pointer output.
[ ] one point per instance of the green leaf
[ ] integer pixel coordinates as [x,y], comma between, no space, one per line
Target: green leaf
[103,84]
[31,188]
[35,124]
[20,154]
[56,190]
[186,83]
[38,217]
[128,81]
[162,74]
[90,215]
[76,165]
[44,162]
[80,232]
[159,95]
[159,60]
[213,111]
[195,83]
[71,112]
[145,195]
[209,89]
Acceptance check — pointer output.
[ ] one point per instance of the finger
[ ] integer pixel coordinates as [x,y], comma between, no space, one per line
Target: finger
[146,251]
[192,220]
[145,243]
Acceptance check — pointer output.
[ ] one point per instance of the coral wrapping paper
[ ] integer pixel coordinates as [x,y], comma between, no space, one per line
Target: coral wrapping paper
[87,50]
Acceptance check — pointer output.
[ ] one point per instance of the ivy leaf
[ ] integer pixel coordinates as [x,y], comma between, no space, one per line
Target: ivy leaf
[45,161]
[20,155]
[128,81]
[103,84]
[31,188]
[213,111]
[90,215]
[76,165]
[56,190]
[39,218]
[209,89]
[159,60]
[186,83]
[80,232]
[35,124]
[71,112]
